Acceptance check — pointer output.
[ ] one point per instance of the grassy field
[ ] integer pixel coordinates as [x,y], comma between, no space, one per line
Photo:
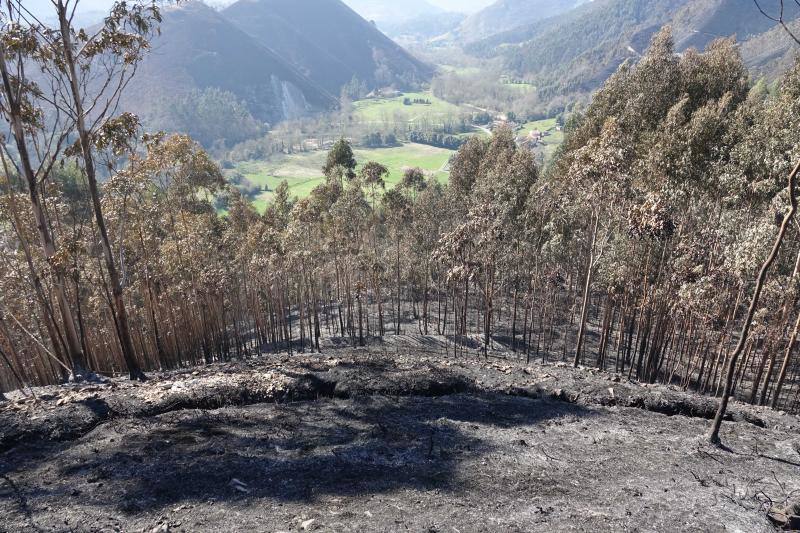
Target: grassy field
[393,110]
[548,124]
[475,132]
[520,86]
[303,171]
[551,142]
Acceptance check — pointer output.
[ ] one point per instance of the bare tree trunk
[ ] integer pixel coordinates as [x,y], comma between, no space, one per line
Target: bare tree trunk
[123,328]
[762,276]
[785,366]
[397,273]
[586,288]
[75,352]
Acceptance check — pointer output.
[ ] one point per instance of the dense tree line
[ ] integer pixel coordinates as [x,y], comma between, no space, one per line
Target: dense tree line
[637,251]
[440,140]
[376,140]
[416,101]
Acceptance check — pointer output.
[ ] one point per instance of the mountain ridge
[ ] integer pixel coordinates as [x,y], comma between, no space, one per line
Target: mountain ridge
[506,15]
[574,52]
[198,48]
[353,46]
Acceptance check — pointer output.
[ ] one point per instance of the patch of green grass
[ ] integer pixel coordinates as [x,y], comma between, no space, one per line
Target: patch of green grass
[393,110]
[520,86]
[409,155]
[479,132]
[548,124]
[303,171]
[461,71]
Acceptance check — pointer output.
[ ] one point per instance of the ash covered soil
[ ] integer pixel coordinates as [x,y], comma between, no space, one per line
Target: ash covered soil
[394,439]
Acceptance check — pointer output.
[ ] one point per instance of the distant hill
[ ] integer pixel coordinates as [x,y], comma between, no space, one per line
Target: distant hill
[580,49]
[701,21]
[199,49]
[770,53]
[574,52]
[505,15]
[409,21]
[461,6]
[392,12]
[424,27]
[328,42]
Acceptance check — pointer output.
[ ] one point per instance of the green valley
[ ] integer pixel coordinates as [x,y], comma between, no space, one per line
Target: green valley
[302,171]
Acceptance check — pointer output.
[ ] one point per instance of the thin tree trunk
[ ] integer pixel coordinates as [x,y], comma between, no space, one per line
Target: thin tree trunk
[123,329]
[762,276]
[586,289]
[785,366]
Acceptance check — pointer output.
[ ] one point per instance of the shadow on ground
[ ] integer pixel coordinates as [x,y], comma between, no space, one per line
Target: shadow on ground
[286,453]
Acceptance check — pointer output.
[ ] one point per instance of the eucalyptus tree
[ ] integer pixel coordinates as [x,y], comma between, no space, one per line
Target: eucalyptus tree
[350,214]
[398,213]
[38,142]
[92,70]
[598,175]
[428,212]
[340,163]
[85,73]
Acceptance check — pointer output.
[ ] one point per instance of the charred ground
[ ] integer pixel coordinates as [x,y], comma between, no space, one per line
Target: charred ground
[388,438]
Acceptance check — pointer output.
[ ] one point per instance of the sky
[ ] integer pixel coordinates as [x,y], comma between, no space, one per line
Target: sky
[464,6]
[43,8]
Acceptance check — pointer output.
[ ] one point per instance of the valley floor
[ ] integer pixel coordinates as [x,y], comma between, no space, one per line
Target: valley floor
[396,437]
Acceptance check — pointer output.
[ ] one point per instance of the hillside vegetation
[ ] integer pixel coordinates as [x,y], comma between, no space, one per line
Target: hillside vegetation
[328,42]
[583,320]
[570,55]
[505,15]
[199,49]
[617,227]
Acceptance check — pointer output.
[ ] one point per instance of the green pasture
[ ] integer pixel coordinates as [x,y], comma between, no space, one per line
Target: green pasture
[302,171]
[393,110]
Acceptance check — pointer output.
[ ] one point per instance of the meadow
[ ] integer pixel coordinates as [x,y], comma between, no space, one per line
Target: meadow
[302,171]
[393,110]
[551,142]
[520,86]
[548,124]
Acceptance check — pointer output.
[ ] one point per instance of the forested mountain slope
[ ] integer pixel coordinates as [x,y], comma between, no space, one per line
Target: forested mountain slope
[577,50]
[701,21]
[424,27]
[328,41]
[505,15]
[771,53]
[199,50]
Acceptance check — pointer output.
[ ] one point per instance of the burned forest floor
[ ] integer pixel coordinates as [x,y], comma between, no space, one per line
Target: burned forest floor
[398,436]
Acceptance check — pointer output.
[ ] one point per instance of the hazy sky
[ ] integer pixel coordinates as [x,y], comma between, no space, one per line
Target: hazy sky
[464,6]
[44,7]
